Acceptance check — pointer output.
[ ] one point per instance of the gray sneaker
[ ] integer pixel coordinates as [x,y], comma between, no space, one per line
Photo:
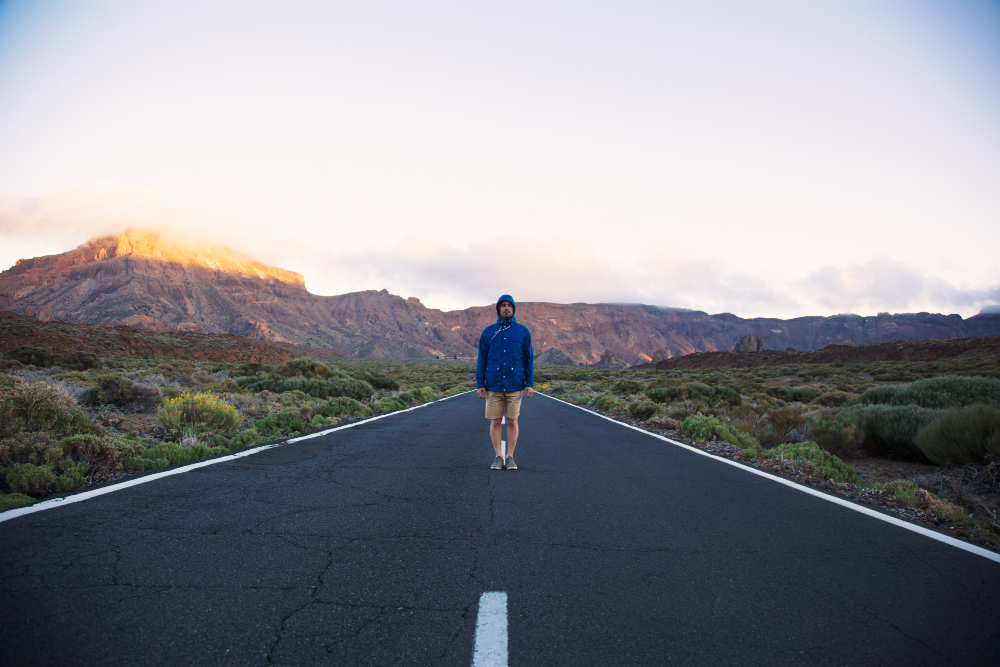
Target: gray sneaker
[497,464]
[510,465]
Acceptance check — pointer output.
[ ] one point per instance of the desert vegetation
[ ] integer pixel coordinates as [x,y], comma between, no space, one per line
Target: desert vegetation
[919,435]
[68,421]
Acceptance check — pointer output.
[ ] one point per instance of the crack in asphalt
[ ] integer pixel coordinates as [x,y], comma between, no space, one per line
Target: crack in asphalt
[313,600]
[904,633]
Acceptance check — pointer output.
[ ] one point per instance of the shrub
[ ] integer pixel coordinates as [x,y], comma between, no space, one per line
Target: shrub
[319,421]
[79,361]
[390,404]
[605,402]
[891,430]
[825,463]
[794,394]
[111,390]
[319,388]
[105,455]
[28,478]
[37,407]
[695,391]
[306,368]
[946,391]
[174,453]
[378,382]
[961,435]
[627,387]
[700,428]
[9,501]
[285,422]
[783,421]
[198,412]
[344,407]
[908,493]
[642,410]
[29,356]
[247,438]
[833,434]
[834,399]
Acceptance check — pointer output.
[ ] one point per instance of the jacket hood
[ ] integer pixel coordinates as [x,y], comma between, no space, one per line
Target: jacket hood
[506,297]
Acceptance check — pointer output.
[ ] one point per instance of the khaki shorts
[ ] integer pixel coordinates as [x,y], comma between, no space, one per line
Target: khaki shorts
[496,401]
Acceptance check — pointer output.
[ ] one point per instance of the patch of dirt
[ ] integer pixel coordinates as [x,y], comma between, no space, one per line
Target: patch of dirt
[62,337]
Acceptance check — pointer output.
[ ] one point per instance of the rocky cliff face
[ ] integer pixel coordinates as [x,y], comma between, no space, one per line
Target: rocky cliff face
[141,280]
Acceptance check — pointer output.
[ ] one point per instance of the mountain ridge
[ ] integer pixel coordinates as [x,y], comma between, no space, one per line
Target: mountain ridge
[151,282]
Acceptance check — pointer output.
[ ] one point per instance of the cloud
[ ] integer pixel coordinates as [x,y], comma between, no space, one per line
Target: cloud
[883,284]
[564,269]
[70,217]
[572,269]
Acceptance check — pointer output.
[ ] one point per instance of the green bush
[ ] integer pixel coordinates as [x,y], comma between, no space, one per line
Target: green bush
[905,491]
[70,479]
[627,387]
[199,413]
[319,421]
[946,391]
[891,430]
[390,404]
[104,455]
[605,402]
[78,361]
[783,421]
[695,391]
[962,435]
[35,407]
[319,388]
[378,382]
[289,420]
[832,433]
[794,394]
[642,410]
[28,478]
[110,390]
[306,368]
[344,407]
[29,356]
[247,438]
[834,399]
[825,463]
[174,453]
[9,501]
[698,428]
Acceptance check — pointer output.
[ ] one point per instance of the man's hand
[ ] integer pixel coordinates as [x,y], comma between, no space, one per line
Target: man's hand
[481,392]
[528,391]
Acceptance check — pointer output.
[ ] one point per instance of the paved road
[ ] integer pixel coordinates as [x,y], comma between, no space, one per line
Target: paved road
[373,545]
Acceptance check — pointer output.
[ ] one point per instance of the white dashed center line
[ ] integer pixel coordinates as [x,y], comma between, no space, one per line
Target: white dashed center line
[491,631]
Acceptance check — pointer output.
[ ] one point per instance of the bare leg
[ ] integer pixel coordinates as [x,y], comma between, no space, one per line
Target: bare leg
[511,436]
[496,431]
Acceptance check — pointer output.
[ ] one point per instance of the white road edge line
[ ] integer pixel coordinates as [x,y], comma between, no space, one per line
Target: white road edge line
[490,648]
[971,548]
[86,495]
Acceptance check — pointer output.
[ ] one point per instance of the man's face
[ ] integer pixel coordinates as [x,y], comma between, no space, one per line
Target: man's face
[506,309]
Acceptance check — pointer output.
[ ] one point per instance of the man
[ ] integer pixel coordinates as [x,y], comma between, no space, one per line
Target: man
[504,372]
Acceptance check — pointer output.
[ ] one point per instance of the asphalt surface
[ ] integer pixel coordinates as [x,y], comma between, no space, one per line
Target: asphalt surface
[372,545]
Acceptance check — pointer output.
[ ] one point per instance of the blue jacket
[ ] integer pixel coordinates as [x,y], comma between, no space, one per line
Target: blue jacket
[506,362]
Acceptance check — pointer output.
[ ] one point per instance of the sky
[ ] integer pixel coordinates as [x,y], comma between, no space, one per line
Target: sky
[768,159]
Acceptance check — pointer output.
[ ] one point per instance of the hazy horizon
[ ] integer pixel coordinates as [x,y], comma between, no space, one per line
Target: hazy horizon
[764,159]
